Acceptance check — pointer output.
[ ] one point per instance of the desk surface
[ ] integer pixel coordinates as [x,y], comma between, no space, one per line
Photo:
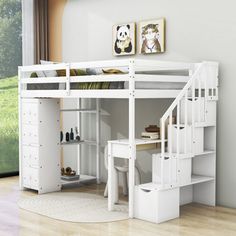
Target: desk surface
[137,141]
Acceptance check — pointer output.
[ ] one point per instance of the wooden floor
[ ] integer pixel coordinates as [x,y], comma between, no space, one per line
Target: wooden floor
[195,219]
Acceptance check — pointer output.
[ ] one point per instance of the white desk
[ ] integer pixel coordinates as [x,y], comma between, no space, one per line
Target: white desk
[120,149]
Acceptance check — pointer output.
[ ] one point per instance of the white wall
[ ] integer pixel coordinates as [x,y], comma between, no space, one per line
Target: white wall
[196,31]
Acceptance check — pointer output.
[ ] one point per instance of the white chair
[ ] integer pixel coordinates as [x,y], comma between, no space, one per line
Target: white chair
[123,170]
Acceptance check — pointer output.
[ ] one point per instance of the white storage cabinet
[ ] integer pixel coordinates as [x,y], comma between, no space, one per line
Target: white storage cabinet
[195,146]
[171,172]
[205,111]
[155,205]
[185,134]
[40,145]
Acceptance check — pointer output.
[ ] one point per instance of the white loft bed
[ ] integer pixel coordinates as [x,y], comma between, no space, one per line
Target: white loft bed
[140,72]
[184,82]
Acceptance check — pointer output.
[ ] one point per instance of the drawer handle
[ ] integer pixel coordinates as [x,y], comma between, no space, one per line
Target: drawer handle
[146,190]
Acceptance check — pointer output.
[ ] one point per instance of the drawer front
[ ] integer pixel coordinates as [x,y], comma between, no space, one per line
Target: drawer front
[30,113]
[34,178]
[30,177]
[31,156]
[30,134]
[26,180]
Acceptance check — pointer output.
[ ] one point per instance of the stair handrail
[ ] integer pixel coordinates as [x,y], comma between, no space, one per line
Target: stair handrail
[169,111]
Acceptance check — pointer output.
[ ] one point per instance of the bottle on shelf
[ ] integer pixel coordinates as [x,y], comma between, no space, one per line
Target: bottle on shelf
[71,135]
[77,137]
[61,136]
[67,137]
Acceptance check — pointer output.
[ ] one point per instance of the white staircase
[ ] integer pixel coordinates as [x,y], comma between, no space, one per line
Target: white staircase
[184,171]
[184,122]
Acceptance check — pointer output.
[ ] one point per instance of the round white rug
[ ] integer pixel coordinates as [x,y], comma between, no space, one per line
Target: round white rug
[74,207]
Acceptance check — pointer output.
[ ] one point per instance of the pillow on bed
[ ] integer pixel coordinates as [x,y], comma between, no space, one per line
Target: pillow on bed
[45,86]
[34,75]
[114,85]
[89,85]
[81,72]
[62,73]
[48,73]
[40,74]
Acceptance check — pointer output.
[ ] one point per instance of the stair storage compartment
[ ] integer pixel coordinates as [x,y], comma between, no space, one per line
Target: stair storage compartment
[195,146]
[198,142]
[205,112]
[210,113]
[155,205]
[185,135]
[172,169]
[199,105]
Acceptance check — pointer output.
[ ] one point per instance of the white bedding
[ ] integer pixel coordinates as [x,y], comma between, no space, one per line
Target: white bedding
[155,85]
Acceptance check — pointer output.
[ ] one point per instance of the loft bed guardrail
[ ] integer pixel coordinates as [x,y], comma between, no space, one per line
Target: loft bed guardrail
[152,79]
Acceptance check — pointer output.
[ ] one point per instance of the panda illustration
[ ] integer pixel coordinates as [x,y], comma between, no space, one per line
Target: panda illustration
[123,42]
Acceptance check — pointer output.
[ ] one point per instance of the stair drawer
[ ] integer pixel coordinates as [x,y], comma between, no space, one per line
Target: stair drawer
[205,112]
[198,142]
[155,205]
[30,134]
[185,134]
[171,170]
[199,115]
[195,146]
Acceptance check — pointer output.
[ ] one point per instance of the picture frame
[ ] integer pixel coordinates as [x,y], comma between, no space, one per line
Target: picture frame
[151,35]
[124,39]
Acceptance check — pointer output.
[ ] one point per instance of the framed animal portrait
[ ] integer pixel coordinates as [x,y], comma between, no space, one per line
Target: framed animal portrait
[123,39]
[152,36]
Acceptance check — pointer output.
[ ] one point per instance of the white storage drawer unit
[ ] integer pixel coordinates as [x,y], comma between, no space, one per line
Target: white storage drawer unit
[198,142]
[39,141]
[205,112]
[171,170]
[185,134]
[154,205]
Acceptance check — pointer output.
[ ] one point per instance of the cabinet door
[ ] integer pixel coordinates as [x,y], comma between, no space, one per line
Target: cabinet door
[34,178]
[30,134]
[30,112]
[34,156]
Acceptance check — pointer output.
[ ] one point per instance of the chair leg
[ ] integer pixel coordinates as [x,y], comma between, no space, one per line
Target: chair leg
[116,187]
[106,191]
[137,177]
[116,182]
[125,183]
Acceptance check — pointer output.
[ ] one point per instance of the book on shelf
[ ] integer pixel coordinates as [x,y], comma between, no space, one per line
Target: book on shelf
[150,135]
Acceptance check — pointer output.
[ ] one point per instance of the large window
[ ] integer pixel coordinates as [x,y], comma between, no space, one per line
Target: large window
[10,59]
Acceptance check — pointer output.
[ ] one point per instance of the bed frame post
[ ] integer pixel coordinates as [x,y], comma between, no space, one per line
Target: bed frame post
[98,137]
[79,120]
[20,128]
[67,79]
[132,147]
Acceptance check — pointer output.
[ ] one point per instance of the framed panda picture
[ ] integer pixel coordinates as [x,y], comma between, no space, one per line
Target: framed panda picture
[152,36]
[123,42]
